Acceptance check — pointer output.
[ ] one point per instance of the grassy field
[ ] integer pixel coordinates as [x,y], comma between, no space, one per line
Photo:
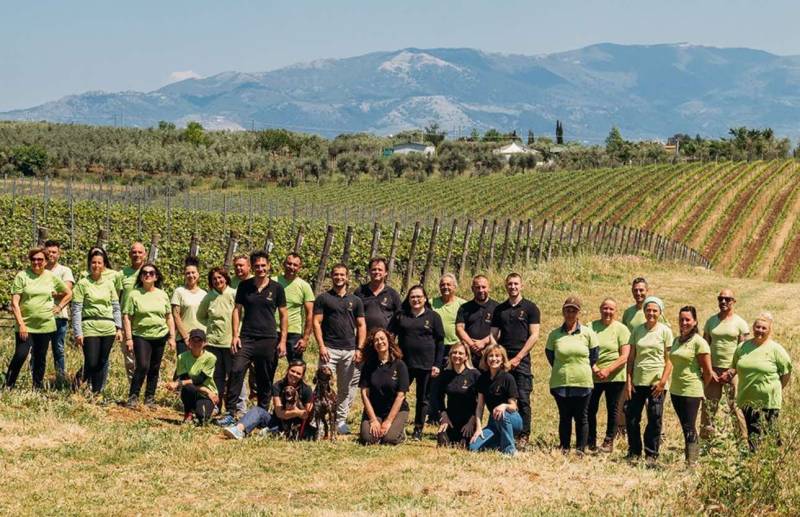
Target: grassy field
[64,455]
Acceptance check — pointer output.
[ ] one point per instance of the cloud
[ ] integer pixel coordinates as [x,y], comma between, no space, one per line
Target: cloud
[181,75]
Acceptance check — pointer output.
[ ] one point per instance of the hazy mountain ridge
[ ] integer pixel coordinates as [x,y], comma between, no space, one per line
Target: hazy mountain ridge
[649,91]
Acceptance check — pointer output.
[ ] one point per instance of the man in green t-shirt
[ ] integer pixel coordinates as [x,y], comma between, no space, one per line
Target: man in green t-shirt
[53,252]
[299,305]
[127,280]
[446,305]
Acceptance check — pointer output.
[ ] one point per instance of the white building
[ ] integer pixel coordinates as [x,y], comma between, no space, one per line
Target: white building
[408,148]
[515,148]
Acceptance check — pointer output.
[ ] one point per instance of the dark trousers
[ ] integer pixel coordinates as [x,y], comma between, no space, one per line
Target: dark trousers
[395,435]
[433,403]
[754,419]
[642,395]
[291,353]
[572,409]
[687,408]
[524,380]
[196,402]
[453,437]
[613,391]
[262,353]
[96,350]
[36,345]
[148,354]
[222,369]
[422,377]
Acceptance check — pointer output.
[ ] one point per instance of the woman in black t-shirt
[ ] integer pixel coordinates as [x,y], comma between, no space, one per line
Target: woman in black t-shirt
[458,387]
[384,384]
[420,334]
[498,392]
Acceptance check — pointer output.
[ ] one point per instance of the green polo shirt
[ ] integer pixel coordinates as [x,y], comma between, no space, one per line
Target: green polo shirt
[611,339]
[760,368]
[36,299]
[724,338]
[198,367]
[687,376]
[448,312]
[148,312]
[298,292]
[571,367]
[649,347]
[97,313]
[215,312]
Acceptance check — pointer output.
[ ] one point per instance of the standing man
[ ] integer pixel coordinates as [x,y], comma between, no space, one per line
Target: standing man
[299,306]
[53,252]
[127,280]
[474,319]
[515,325]
[723,332]
[446,305]
[634,315]
[381,302]
[340,330]
[241,271]
[256,338]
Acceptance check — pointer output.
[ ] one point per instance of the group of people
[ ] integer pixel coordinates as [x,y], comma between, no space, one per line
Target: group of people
[464,357]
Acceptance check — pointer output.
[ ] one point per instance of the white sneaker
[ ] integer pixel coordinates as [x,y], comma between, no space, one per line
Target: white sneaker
[342,428]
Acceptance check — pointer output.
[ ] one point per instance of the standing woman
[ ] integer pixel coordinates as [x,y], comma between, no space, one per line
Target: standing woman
[457,398]
[497,391]
[764,369]
[572,351]
[649,369]
[185,301]
[420,333]
[96,318]
[613,338]
[147,320]
[35,316]
[691,370]
[215,312]
[384,384]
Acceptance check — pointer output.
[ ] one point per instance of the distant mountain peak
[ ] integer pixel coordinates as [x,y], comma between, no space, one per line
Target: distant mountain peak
[408,60]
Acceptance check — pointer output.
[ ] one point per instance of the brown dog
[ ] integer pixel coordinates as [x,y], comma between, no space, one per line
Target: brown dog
[324,404]
[290,398]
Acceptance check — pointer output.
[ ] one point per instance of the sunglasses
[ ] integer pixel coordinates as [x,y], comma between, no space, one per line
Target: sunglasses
[725,299]
[149,272]
[37,259]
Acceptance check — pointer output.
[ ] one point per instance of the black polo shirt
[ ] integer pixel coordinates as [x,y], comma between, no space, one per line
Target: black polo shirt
[259,308]
[421,338]
[513,321]
[339,315]
[384,382]
[379,308]
[498,390]
[459,394]
[304,390]
[477,318]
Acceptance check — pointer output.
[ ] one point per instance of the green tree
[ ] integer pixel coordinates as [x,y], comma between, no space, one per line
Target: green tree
[195,134]
[29,160]
[433,134]
[531,138]
[452,163]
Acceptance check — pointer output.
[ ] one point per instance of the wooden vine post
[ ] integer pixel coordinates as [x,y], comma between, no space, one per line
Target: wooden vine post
[411,254]
[426,271]
[323,260]
[230,252]
[393,248]
[449,249]
[464,250]
[152,255]
[348,244]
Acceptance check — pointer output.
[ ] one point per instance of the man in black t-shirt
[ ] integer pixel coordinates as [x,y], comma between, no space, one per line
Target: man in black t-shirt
[474,319]
[255,336]
[340,331]
[515,325]
[381,302]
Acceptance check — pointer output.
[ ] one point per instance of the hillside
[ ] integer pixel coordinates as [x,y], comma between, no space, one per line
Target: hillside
[649,91]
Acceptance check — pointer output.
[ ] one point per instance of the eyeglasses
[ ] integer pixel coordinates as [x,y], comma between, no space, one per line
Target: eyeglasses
[37,259]
[149,272]
[725,299]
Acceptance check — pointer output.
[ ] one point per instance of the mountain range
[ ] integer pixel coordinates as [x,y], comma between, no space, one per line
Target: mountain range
[648,91]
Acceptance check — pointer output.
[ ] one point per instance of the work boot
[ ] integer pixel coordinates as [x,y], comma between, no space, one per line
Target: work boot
[692,453]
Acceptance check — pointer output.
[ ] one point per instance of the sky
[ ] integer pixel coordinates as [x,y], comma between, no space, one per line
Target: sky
[49,49]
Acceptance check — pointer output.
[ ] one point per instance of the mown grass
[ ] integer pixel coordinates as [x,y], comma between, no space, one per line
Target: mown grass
[64,455]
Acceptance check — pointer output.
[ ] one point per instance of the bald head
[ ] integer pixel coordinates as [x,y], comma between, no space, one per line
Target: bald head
[726,300]
[137,255]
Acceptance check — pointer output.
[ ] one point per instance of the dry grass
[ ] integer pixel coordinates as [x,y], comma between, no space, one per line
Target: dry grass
[64,455]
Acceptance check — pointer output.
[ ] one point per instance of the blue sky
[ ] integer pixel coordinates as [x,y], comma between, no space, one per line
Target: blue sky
[53,48]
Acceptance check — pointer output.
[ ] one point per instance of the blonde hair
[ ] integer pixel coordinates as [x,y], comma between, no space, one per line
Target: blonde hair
[491,348]
[765,317]
[468,362]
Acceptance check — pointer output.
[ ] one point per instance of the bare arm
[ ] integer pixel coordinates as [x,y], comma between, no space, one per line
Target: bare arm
[171,329]
[309,326]
[284,317]
[705,367]
[624,352]
[15,308]
[236,319]
[176,316]
[126,326]
[323,350]
[660,386]
[533,331]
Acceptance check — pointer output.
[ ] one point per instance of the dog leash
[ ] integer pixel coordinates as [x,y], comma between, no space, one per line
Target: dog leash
[305,420]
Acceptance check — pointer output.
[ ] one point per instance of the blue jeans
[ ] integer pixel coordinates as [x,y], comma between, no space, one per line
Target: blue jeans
[58,345]
[500,435]
[258,418]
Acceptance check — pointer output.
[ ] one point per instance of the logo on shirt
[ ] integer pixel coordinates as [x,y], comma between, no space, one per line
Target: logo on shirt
[427,324]
[488,317]
[522,315]
[394,376]
[349,306]
[465,384]
[269,296]
[385,301]
[496,390]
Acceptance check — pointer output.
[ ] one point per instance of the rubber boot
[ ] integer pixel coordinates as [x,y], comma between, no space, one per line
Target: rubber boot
[692,453]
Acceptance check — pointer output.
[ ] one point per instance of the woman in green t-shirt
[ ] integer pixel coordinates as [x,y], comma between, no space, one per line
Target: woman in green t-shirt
[764,368]
[572,351]
[195,379]
[149,327]
[691,370]
[96,318]
[215,313]
[34,311]
[185,300]
[649,369]
[614,338]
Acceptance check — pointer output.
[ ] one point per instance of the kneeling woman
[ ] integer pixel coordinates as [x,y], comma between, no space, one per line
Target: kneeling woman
[691,369]
[384,384]
[282,418]
[458,396]
[498,392]
[195,379]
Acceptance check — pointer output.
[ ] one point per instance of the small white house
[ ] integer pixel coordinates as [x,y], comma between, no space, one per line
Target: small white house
[408,148]
[515,148]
